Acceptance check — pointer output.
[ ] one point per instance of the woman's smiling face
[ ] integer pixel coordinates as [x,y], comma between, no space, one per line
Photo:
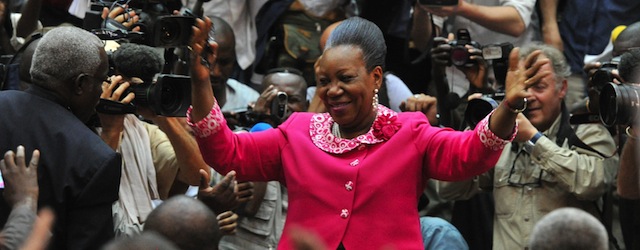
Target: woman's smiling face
[346,88]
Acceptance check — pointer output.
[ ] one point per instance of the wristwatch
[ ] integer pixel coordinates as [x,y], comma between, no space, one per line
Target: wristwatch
[528,145]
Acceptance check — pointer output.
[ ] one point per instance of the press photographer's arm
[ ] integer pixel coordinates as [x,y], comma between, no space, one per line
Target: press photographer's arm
[629,176]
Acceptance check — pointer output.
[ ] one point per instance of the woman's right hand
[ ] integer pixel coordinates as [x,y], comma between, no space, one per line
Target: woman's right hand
[203,59]
[200,43]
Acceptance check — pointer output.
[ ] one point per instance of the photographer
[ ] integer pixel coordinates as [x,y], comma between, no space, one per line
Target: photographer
[156,157]
[283,87]
[488,22]
[549,165]
[469,61]
[628,182]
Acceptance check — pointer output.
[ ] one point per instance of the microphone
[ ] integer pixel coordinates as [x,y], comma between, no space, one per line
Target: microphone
[260,126]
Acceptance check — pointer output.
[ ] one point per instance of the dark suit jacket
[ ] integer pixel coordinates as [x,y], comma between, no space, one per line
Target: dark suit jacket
[78,174]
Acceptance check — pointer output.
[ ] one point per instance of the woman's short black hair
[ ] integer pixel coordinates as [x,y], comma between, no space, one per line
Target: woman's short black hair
[364,34]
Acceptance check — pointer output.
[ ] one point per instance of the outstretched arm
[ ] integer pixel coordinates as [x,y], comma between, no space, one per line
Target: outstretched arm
[28,22]
[491,17]
[202,98]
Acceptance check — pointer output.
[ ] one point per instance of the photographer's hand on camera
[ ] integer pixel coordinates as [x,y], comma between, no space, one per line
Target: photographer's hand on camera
[263,103]
[201,92]
[123,16]
[113,124]
[261,109]
[477,72]
[441,53]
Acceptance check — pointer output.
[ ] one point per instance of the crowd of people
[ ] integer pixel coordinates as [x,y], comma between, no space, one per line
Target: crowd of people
[301,124]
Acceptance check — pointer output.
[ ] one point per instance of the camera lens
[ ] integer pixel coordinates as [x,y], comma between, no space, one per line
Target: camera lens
[459,56]
[619,104]
[478,108]
[169,31]
[600,78]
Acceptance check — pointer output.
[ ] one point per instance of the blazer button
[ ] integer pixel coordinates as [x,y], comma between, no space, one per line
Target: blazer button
[354,163]
[344,214]
[349,185]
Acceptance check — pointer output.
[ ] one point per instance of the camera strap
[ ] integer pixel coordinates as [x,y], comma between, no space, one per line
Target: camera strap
[106,106]
[566,132]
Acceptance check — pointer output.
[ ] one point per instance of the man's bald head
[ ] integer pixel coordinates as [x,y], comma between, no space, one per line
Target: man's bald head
[185,221]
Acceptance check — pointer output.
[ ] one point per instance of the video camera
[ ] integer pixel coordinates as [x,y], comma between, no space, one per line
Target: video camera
[279,105]
[459,53]
[158,28]
[169,96]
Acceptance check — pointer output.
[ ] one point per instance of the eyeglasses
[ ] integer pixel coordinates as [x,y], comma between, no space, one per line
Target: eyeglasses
[537,183]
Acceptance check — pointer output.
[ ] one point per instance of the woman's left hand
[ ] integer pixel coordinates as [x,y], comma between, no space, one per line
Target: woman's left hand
[521,76]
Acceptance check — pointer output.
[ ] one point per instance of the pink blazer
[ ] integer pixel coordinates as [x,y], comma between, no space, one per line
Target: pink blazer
[361,192]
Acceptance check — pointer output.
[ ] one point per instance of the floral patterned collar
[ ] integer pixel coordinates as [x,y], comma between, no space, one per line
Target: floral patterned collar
[383,128]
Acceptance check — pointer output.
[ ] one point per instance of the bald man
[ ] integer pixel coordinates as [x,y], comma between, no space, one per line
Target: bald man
[186,222]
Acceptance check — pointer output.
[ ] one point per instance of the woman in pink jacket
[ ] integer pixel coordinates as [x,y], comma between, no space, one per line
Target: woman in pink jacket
[353,174]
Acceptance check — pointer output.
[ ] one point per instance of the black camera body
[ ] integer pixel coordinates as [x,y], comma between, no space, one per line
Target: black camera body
[619,103]
[479,108]
[459,53]
[603,76]
[170,31]
[169,96]
[279,105]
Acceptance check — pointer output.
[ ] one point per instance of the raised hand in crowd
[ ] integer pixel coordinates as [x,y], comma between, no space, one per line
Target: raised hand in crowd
[113,124]
[228,222]
[21,193]
[422,103]
[20,179]
[222,196]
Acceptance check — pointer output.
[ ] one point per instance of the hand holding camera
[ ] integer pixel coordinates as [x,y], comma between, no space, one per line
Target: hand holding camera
[271,107]
[461,53]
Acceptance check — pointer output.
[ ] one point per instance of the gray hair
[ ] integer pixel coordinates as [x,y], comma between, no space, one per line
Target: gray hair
[558,61]
[63,53]
[363,34]
[569,228]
